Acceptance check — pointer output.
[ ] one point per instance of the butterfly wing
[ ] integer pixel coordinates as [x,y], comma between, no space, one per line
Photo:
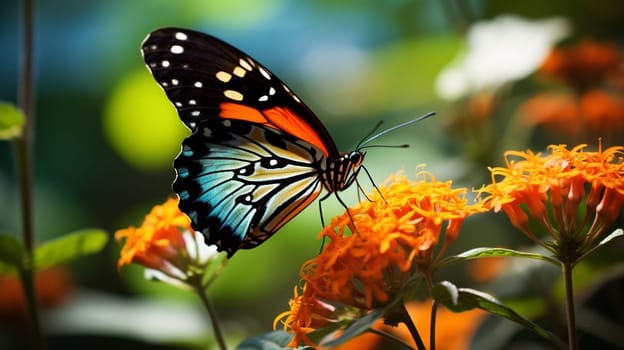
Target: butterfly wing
[240,182]
[206,78]
[256,153]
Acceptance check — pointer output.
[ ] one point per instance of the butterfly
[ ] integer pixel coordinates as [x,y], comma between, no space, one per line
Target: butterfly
[257,155]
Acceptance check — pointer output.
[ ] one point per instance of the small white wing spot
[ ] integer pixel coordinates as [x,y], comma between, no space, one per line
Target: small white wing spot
[245,64]
[178,104]
[164,84]
[195,113]
[224,76]
[263,98]
[273,162]
[153,47]
[192,102]
[181,36]
[265,73]
[174,81]
[165,63]
[185,66]
[271,91]
[176,49]
[198,84]
[227,123]
[239,72]
[192,125]
[153,65]
[233,95]
[291,93]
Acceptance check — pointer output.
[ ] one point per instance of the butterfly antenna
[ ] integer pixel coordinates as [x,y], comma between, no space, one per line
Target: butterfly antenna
[405,145]
[409,122]
[375,128]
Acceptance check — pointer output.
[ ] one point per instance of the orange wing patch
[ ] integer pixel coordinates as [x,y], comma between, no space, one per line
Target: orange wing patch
[289,122]
[241,112]
[277,117]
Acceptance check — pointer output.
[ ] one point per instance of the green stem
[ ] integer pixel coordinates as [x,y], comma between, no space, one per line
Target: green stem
[391,337]
[412,328]
[213,316]
[27,279]
[23,144]
[570,313]
[24,171]
[434,311]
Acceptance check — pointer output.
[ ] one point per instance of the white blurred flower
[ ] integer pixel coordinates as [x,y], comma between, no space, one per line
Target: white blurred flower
[200,255]
[499,51]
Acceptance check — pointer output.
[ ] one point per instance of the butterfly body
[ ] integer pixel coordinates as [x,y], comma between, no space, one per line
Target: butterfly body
[257,155]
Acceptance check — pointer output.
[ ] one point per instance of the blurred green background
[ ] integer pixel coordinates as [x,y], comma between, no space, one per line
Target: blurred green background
[106,136]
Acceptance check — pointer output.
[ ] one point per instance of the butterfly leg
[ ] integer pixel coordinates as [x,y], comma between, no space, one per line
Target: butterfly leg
[362,191]
[348,212]
[322,220]
[374,184]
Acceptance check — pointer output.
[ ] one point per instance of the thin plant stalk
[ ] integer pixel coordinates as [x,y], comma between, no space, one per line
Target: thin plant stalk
[570,312]
[24,171]
[391,337]
[434,311]
[213,317]
[412,329]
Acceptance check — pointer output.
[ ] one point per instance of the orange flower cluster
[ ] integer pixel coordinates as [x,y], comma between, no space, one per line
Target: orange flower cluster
[158,243]
[585,64]
[53,286]
[594,72]
[392,237]
[575,195]
[596,113]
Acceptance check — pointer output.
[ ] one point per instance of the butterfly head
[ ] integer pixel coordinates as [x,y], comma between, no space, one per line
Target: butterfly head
[343,171]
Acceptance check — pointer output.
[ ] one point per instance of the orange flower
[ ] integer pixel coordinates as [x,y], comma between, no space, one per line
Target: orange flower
[603,111]
[454,331]
[595,113]
[584,64]
[53,286]
[392,238]
[556,111]
[165,242]
[574,195]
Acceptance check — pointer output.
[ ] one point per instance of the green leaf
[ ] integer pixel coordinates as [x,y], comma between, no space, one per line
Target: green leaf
[68,247]
[11,254]
[614,235]
[468,299]
[486,252]
[11,121]
[358,327]
[268,341]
